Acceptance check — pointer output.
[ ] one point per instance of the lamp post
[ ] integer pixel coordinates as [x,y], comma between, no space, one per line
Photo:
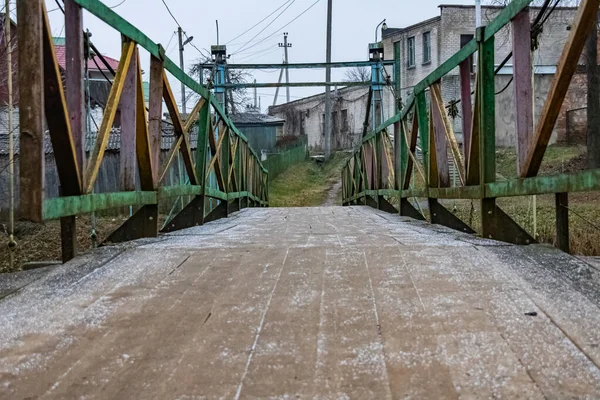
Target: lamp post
[384,27]
[181,65]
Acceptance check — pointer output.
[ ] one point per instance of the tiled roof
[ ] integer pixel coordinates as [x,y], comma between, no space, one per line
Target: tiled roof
[61,57]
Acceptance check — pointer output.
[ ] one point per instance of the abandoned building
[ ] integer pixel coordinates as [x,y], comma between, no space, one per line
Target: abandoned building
[424,47]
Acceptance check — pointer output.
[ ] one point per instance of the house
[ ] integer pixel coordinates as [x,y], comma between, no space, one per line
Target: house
[261,130]
[424,46]
[307,117]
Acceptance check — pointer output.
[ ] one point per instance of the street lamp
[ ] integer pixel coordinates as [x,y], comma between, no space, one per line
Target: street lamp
[384,27]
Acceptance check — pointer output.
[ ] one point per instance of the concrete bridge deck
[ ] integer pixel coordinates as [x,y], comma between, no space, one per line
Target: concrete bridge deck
[329,303]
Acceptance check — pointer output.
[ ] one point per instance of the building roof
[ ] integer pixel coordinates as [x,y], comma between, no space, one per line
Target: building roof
[60,49]
[114,141]
[255,118]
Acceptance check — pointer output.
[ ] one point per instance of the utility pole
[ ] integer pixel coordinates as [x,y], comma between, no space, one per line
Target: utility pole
[277,90]
[285,46]
[327,88]
[255,97]
[180,34]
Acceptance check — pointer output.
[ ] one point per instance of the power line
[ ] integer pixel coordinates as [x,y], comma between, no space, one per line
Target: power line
[239,50]
[283,27]
[258,23]
[172,16]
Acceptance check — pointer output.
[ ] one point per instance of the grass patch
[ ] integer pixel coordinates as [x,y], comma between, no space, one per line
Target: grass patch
[307,184]
[558,159]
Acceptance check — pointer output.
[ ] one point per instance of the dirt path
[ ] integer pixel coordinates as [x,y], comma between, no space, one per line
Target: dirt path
[332,195]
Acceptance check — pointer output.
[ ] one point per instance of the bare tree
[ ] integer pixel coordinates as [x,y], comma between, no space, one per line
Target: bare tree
[236,98]
[358,74]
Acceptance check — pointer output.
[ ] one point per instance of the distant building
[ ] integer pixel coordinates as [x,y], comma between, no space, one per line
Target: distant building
[424,47]
[261,130]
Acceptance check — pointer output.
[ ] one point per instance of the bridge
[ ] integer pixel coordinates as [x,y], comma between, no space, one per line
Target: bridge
[233,299]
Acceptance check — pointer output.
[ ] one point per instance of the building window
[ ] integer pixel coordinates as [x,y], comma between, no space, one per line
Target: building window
[334,123]
[426,47]
[323,124]
[410,45]
[345,127]
[464,40]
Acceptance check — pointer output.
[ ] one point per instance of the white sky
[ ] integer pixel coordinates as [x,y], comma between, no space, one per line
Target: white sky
[354,23]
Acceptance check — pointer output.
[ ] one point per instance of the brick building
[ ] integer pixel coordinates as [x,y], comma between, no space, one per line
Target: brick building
[424,47]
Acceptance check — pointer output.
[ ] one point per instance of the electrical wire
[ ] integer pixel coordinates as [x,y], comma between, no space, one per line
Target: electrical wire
[258,23]
[240,49]
[170,13]
[170,41]
[284,26]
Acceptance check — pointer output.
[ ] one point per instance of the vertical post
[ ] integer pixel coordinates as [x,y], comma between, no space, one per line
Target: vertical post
[400,144]
[521,32]
[11,166]
[225,161]
[328,79]
[287,71]
[421,110]
[76,106]
[128,127]
[155,111]
[201,154]
[487,130]
[466,107]
[31,115]
[562,222]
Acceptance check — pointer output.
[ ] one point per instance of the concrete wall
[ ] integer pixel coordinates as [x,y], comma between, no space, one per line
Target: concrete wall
[306,116]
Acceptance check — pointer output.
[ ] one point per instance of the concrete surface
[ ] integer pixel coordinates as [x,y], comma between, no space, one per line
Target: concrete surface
[326,303]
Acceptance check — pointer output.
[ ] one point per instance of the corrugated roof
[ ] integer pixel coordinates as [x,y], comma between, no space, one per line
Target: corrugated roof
[255,118]
[114,141]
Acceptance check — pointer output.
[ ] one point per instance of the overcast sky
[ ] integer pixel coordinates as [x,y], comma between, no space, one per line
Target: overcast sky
[354,23]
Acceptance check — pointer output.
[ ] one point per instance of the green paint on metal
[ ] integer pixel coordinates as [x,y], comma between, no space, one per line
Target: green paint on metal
[584,181]
[73,205]
[179,190]
[215,194]
[250,85]
[487,112]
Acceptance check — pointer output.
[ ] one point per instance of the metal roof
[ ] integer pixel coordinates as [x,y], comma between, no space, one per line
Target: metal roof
[254,118]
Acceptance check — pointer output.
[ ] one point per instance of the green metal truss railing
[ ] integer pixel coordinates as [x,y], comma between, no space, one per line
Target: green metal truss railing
[379,175]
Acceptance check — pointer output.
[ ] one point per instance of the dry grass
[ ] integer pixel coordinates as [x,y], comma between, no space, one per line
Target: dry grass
[306,184]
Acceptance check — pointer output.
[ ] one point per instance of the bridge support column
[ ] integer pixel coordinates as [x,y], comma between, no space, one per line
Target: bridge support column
[191,215]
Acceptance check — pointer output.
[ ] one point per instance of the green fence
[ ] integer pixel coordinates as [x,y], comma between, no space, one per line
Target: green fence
[277,163]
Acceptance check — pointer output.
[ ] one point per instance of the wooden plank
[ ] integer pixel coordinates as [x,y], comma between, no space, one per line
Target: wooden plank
[74,84]
[466,107]
[193,116]
[109,116]
[422,115]
[31,99]
[155,111]
[436,96]
[170,158]
[179,130]
[487,111]
[57,117]
[413,162]
[439,141]
[215,162]
[143,146]
[584,20]
[127,107]
[523,85]
[472,160]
